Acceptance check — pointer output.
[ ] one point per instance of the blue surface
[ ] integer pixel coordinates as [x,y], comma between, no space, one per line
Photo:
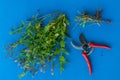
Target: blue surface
[105,67]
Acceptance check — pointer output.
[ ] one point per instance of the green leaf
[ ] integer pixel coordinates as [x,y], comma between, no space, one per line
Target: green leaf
[56,35]
[64,51]
[61,69]
[62,59]
[11,32]
[21,75]
[26,65]
[57,51]
[46,29]
[62,43]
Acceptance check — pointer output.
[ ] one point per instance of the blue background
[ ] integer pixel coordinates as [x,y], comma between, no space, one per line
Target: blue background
[105,63]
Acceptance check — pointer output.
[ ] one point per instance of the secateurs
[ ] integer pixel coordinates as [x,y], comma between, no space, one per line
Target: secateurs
[87,49]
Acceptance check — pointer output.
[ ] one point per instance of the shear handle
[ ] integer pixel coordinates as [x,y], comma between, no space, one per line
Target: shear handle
[98,46]
[84,54]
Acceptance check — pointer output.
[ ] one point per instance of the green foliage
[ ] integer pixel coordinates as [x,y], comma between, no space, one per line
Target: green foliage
[40,44]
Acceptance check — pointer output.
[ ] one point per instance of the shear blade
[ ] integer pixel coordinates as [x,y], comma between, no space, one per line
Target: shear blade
[82,39]
[75,46]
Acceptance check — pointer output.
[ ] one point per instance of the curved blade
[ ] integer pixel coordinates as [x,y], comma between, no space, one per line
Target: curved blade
[82,39]
[76,47]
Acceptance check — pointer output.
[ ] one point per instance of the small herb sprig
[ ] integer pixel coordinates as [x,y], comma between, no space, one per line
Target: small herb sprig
[86,18]
[40,44]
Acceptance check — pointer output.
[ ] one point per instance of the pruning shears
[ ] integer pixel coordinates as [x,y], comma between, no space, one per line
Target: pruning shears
[87,49]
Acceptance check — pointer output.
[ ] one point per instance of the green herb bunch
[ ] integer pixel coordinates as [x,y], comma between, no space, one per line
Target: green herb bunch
[41,45]
[87,18]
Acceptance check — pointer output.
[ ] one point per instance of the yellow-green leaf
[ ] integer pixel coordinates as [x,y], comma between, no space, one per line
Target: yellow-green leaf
[62,43]
[21,75]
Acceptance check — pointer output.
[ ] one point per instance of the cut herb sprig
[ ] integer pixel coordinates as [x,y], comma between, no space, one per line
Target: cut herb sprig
[85,18]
